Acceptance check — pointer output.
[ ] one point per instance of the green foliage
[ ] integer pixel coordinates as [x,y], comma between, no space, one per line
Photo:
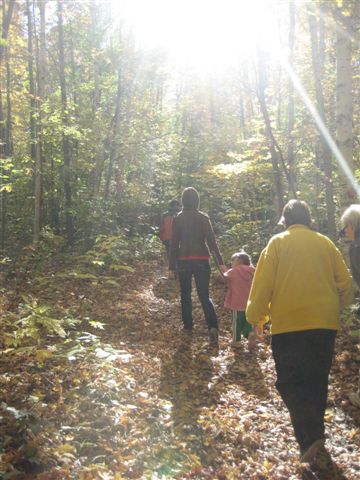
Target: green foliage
[249,236]
[35,324]
[110,251]
[135,148]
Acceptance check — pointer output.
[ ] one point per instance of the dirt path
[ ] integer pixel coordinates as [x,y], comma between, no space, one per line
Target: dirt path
[140,401]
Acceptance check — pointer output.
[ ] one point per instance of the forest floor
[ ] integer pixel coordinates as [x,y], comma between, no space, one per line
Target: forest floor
[133,399]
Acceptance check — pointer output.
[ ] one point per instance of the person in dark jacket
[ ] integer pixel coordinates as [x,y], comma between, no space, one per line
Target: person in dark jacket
[350,221]
[166,224]
[193,240]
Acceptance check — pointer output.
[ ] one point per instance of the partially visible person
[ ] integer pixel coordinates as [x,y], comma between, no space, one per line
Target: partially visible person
[193,240]
[350,221]
[239,278]
[301,282]
[166,224]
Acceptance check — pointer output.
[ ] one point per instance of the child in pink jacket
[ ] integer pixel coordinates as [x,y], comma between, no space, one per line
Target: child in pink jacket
[239,278]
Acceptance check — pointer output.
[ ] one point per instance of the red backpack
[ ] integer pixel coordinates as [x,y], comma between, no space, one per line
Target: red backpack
[166,228]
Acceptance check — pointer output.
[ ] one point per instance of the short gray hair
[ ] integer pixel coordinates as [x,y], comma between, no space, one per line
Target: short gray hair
[351,216]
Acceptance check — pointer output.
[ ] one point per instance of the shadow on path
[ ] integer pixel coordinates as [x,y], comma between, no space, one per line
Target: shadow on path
[245,372]
[184,380]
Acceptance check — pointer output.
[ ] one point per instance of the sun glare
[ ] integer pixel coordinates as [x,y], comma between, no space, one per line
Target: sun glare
[201,35]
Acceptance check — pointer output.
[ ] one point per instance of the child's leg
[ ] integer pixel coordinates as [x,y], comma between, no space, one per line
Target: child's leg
[236,329]
[245,327]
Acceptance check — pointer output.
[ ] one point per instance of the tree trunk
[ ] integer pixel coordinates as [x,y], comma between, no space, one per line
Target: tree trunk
[242,116]
[32,93]
[65,139]
[95,179]
[6,20]
[269,135]
[34,140]
[344,104]
[9,146]
[53,197]
[318,183]
[114,131]
[38,147]
[279,100]
[290,106]
[74,147]
[317,53]
[5,124]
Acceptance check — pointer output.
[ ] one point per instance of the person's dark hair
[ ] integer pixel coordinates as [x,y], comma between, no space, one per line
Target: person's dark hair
[190,198]
[174,204]
[296,212]
[243,257]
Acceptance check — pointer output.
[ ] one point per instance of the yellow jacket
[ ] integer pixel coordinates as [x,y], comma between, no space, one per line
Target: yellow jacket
[301,282]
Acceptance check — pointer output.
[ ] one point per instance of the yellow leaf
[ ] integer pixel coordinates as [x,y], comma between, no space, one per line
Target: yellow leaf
[42,355]
[329,415]
[194,459]
[65,448]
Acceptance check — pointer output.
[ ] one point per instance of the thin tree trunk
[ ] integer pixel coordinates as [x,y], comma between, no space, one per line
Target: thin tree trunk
[53,198]
[114,131]
[65,139]
[279,100]
[344,104]
[95,100]
[6,20]
[75,143]
[32,92]
[325,153]
[242,105]
[268,132]
[9,146]
[38,147]
[291,108]
[5,125]
[242,116]
[34,141]
[318,185]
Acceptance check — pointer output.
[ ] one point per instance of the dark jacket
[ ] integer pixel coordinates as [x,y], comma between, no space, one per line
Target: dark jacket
[192,237]
[354,254]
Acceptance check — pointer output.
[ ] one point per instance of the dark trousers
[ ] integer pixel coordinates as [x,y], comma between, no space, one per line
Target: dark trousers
[200,270]
[167,247]
[303,361]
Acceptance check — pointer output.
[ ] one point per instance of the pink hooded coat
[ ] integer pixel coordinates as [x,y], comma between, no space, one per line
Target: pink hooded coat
[239,281]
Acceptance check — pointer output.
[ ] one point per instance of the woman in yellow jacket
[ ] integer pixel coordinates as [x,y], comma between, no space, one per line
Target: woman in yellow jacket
[301,283]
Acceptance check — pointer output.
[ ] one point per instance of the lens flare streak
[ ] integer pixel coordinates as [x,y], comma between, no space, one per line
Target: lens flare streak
[321,126]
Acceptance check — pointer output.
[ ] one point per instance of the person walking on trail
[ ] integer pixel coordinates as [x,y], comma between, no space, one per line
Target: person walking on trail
[239,278]
[193,240]
[301,282]
[350,221]
[166,224]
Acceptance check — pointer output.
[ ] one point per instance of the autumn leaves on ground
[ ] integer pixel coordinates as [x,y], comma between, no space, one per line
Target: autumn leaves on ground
[125,396]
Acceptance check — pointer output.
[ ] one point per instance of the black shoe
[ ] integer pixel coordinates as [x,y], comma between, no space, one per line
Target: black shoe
[214,336]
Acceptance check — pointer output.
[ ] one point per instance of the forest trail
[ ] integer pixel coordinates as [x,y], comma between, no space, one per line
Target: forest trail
[137,400]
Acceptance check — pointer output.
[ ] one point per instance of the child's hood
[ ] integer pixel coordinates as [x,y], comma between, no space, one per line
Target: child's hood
[246,271]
